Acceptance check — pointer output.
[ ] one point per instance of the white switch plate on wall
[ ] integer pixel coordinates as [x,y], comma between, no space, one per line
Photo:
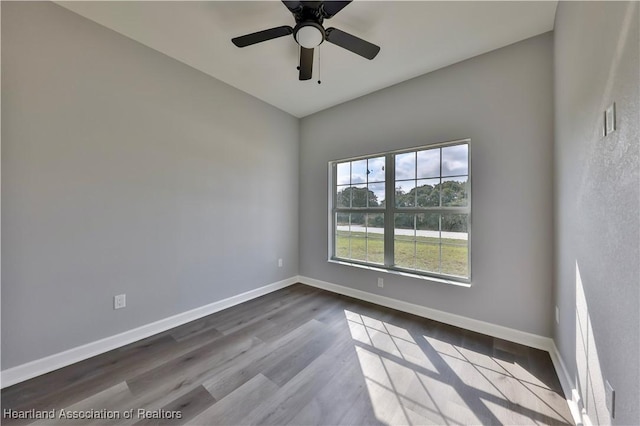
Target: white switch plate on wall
[610,119]
[610,398]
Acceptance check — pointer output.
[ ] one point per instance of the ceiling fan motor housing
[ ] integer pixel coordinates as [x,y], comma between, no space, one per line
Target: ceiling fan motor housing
[309,34]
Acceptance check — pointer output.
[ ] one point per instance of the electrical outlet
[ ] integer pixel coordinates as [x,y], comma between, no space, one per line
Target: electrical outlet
[119,301]
[279,263]
[380,282]
[610,396]
[557,315]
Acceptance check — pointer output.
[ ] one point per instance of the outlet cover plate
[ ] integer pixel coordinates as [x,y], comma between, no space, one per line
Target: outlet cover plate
[119,301]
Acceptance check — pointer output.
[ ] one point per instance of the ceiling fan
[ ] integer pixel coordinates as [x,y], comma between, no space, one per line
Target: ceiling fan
[309,33]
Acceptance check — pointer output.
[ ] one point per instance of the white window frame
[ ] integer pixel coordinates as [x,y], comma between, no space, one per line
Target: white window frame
[390,210]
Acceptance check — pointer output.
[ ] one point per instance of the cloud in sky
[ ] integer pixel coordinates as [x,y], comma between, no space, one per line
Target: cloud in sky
[412,165]
[355,172]
[426,163]
[455,160]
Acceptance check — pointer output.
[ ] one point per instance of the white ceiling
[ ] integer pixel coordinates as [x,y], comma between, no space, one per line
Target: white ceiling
[415,37]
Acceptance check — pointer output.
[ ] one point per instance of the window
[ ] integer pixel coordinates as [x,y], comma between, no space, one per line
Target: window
[407,210]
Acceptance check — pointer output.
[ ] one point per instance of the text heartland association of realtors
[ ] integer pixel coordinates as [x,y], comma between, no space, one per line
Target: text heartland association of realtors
[54,414]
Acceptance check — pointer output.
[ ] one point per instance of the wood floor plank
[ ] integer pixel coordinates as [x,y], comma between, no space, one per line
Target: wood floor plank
[362,412]
[42,387]
[294,316]
[264,312]
[180,411]
[244,368]
[110,399]
[195,328]
[192,365]
[333,401]
[233,407]
[298,359]
[285,404]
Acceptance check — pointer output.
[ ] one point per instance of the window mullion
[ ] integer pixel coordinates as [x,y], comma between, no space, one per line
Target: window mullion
[390,202]
[333,223]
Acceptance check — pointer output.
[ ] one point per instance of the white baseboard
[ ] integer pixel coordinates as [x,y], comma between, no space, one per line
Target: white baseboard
[53,362]
[517,336]
[571,393]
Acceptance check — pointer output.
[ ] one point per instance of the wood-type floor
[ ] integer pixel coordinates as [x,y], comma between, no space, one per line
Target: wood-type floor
[303,356]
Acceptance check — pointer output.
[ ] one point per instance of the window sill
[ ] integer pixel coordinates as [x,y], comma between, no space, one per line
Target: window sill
[402,273]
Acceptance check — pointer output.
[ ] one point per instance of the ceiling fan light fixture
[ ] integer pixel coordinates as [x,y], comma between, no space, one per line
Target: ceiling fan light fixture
[309,35]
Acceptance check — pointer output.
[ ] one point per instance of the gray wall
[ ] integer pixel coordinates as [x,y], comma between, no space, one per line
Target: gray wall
[125,171]
[598,203]
[503,101]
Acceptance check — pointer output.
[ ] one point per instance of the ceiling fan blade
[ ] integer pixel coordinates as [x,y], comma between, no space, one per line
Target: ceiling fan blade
[306,63]
[293,6]
[330,8]
[260,36]
[352,43]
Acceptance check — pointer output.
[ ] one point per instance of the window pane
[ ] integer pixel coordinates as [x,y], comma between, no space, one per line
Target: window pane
[406,166]
[375,251]
[359,171]
[428,257]
[406,194]
[358,246]
[376,169]
[429,163]
[375,225]
[428,228]
[404,240]
[359,195]
[428,193]
[455,229]
[375,238]
[376,194]
[344,174]
[454,192]
[404,253]
[342,221]
[428,242]
[455,260]
[404,226]
[455,160]
[342,246]
[342,235]
[357,223]
[343,196]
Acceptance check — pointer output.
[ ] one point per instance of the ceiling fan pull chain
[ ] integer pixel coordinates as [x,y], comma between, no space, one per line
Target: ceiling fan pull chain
[319,65]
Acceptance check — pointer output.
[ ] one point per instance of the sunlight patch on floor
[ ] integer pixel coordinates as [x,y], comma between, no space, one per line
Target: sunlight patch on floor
[411,382]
